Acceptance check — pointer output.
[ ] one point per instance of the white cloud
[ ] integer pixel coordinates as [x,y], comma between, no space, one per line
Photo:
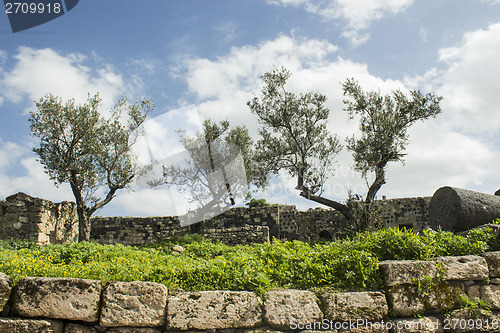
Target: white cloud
[469,81]
[37,72]
[358,14]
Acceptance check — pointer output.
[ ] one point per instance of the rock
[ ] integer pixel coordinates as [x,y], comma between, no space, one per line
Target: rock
[5,289]
[396,272]
[493,260]
[427,298]
[177,249]
[417,325]
[464,268]
[204,310]
[135,304]
[497,192]
[455,209]
[22,325]
[77,328]
[284,308]
[487,293]
[471,320]
[133,330]
[57,298]
[368,305]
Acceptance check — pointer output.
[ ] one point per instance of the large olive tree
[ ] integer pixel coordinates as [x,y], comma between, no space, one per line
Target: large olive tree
[87,150]
[295,137]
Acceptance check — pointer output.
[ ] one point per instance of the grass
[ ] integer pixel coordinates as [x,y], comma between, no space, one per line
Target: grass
[350,264]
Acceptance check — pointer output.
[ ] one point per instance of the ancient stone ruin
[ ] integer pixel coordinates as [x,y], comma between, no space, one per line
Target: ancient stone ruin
[455,209]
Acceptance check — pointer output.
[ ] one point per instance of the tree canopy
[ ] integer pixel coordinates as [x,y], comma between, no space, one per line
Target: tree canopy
[90,152]
[219,166]
[295,137]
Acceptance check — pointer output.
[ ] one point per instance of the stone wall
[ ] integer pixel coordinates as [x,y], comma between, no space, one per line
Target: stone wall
[22,216]
[417,296]
[26,217]
[406,212]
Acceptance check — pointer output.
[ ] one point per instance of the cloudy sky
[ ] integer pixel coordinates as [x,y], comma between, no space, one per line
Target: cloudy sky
[201,59]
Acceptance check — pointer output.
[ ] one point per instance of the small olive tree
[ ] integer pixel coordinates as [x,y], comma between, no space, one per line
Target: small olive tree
[90,152]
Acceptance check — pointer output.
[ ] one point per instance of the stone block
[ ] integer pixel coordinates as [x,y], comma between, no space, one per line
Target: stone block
[471,320]
[417,325]
[137,304]
[493,260]
[411,299]
[487,293]
[5,289]
[23,325]
[77,328]
[204,310]
[283,308]
[58,298]
[396,272]
[368,305]
[464,268]
[133,330]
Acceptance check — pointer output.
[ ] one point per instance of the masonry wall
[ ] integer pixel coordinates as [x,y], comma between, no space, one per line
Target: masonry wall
[417,296]
[26,217]
[22,216]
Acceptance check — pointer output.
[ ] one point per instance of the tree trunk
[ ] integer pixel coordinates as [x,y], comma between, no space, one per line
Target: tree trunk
[377,183]
[455,209]
[83,224]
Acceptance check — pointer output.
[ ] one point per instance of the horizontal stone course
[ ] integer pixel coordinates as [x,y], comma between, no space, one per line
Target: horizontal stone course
[414,297]
[23,325]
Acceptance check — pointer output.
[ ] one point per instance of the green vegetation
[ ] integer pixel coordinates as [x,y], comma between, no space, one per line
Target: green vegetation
[350,264]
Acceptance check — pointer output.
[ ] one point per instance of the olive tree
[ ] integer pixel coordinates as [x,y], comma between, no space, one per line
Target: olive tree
[91,152]
[383,125]
[295,138]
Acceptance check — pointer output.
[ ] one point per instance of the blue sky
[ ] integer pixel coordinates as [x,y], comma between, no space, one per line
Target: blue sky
[208,55]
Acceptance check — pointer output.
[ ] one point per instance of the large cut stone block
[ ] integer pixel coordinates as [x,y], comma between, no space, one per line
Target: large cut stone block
[204,310]
[487,293]
[77,328]
[410,299]
[471,321]
[5,289]
[133,330]
[417,325]
[346,306]
[493,260]
[58,298]
[464,268]
[134,304]
[22,325]
[396,272]
[284,308]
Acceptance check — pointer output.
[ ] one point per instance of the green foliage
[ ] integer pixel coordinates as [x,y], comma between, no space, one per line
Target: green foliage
[384,122]
[17,244]
[257,203]
[349,264]
[218,147]
[294,135]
